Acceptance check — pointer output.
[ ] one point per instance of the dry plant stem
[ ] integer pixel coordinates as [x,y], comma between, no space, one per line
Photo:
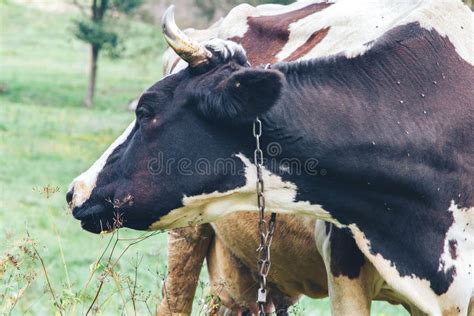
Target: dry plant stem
[93,271]
[148,308]
[68,280]
[46,275]
[61,251]
[101,284]
[63,260]
[95,298]
[117,239]
[134,290]
[17,299]
[143,236]
[106,300]
[111,266]
[96,263]
[8,286]
[120,290]
[73,311]
[135,277]
[140,239]
[27,311]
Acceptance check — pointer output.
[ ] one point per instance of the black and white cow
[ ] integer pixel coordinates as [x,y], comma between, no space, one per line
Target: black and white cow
[228,245]
[390,120]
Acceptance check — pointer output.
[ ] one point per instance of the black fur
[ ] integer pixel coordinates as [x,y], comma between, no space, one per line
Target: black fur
[346,258]
[239,96]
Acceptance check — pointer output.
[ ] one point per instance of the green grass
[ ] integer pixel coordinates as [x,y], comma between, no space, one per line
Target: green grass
[46,146]
[43,64]
[47,138]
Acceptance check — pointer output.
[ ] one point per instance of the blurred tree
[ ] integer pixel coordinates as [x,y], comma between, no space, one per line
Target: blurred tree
[95,27]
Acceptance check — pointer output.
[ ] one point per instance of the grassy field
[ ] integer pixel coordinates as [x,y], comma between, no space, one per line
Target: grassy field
[47,138]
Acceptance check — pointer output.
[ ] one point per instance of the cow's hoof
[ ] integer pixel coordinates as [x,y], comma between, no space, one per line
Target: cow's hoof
[282,312]
[247,312]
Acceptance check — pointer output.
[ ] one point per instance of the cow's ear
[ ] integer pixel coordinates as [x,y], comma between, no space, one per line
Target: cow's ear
[244,95]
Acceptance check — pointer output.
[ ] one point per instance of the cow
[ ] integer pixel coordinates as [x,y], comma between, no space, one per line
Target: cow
[389,120]
[231,250]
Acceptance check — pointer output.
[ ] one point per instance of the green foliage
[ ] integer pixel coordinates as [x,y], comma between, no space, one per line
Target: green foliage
[99,28]
[125,6]
[58,77]
[96,34]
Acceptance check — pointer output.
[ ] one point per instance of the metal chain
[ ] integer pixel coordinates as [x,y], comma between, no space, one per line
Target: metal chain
[266,231]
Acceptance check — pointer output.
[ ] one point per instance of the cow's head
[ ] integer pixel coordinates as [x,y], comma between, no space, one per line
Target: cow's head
[186,124]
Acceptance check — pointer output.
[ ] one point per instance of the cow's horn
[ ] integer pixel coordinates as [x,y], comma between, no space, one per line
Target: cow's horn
[189,50]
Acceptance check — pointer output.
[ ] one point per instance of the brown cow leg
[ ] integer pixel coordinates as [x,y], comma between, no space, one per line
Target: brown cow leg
[348,297]
[231,280]
[187,248]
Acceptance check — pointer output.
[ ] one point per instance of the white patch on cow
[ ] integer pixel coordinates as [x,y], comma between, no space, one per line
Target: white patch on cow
[270,9]
[86,182]
[462,232]
[279,195]
[226,49]
[235,23]
[419,290]
[350,296]
[416,289]
[452,19]
[170,62]
[354,25]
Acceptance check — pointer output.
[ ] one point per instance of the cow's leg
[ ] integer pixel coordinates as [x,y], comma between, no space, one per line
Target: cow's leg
[352,281]
[450,286]
[282,302]
[231,281]
[187,248]
[413,310]
[470,311]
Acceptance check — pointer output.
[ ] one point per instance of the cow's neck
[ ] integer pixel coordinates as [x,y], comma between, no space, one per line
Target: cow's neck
[370,123]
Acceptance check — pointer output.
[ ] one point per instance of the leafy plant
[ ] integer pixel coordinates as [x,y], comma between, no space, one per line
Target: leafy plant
[97,27]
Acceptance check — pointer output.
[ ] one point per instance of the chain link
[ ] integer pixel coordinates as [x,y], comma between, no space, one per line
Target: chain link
[265,230]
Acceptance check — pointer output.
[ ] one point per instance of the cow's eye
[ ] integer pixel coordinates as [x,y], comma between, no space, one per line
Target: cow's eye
[144,112]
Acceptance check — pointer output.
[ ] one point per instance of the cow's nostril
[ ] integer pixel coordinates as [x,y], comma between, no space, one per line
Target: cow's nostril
[69,196]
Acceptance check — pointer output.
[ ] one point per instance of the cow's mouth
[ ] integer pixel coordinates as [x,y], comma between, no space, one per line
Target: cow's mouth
[97,218]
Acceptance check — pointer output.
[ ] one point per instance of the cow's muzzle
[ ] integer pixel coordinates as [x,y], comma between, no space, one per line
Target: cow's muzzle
[96,218]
